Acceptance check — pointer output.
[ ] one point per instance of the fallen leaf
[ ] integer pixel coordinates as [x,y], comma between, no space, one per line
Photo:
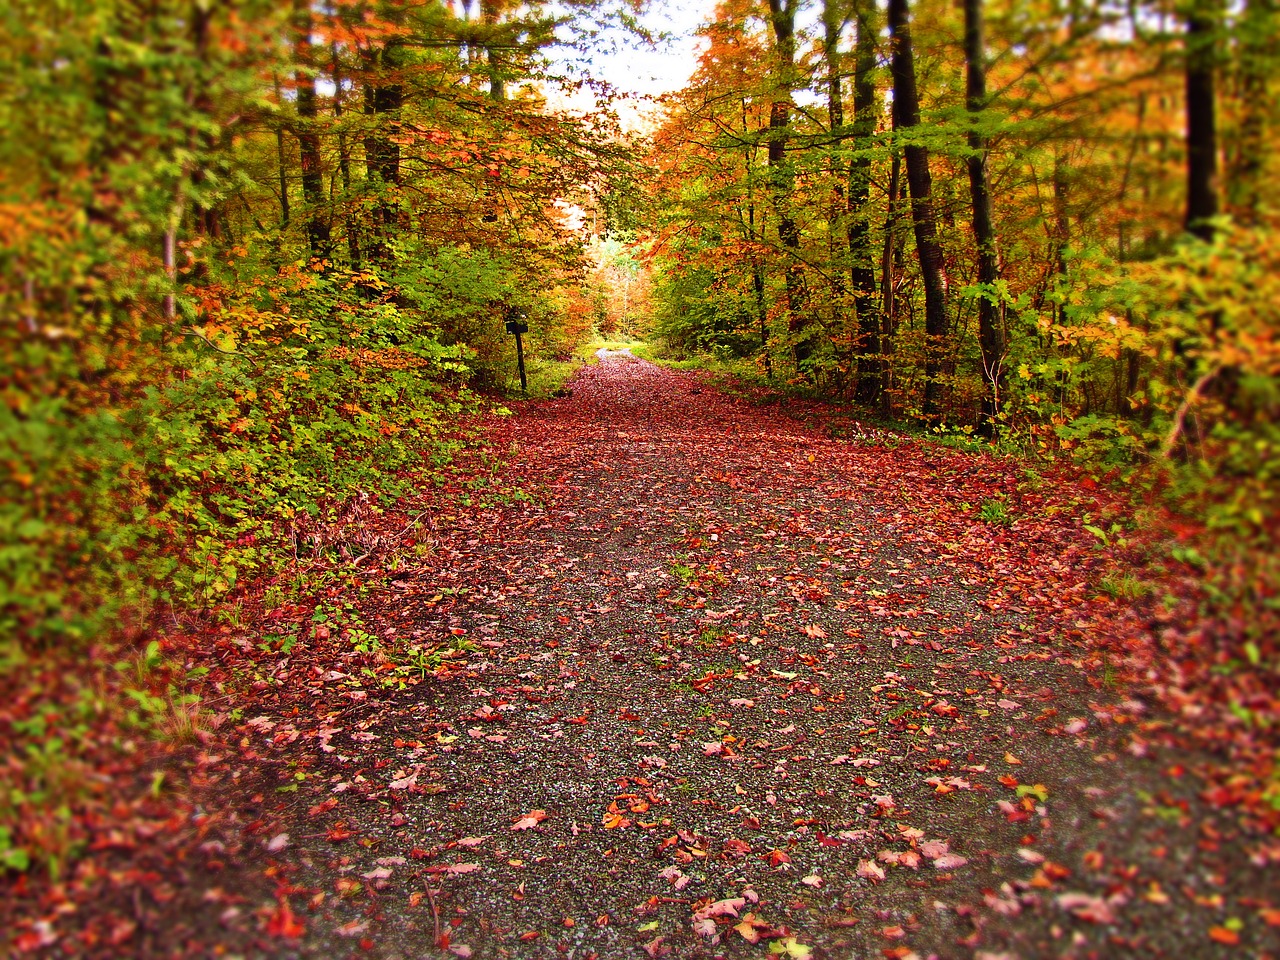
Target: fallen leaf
[529,820]
[1224,935]
[284,923]
[1087,907]
[869,870]
[791,947]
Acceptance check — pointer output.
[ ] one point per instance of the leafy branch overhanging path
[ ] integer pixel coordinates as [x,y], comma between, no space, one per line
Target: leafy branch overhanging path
[739,687]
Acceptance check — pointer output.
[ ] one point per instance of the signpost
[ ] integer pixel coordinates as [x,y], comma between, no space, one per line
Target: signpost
[516,325]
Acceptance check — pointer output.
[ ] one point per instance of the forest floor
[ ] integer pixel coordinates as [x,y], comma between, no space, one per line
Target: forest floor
[726,685]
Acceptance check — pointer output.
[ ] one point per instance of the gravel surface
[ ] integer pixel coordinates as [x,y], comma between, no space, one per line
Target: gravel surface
[728,687]
[736,688]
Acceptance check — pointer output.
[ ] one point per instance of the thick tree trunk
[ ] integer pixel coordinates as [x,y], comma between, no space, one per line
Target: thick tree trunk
[906,117]
[782,14]
[1202,141]
[990,335]
[383,99]
[862,261]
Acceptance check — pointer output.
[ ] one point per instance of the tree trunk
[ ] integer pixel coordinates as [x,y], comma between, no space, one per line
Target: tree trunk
[1257,42]
[489,15]
[990,336]
[1202,145]
[906,118]
[344,166]
[862,262]
[383,98]
[889,308]
[782,14]
[832,24]
[308,135]
[281,166]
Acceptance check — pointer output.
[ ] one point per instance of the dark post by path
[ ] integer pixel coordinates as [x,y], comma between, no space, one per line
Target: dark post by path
[516,325]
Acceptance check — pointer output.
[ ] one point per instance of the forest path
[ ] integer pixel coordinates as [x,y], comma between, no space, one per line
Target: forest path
[736,687]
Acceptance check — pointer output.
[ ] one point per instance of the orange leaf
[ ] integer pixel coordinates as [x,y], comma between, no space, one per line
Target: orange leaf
[284,923]
[1224,936]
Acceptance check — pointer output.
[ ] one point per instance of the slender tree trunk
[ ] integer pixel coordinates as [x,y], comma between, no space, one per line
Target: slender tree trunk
[906,118]
[280,162]
[871,366]
[344,165]
[308,135]
[1258,42]
[1202,142]
[832,24]
[889,309]
[782,15]
[990,335]
[489,15]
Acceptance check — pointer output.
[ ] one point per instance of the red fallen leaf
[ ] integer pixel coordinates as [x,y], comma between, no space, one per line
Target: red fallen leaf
[323,806]
[736,848]
[1008,780]
[1224,936]
[1220,797]
[1270,917]
[530,935]
[777,858]
[580,721]
[721,908]
[815,632]
[339,832]
[32,940]
[656,948]
[283,922]
[893,933]
[1086,907]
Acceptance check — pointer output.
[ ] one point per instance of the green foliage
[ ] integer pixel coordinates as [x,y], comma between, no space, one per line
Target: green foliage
[309,391]
[995,512]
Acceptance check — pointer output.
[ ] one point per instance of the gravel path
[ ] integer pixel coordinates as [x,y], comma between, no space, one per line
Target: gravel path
[736,689]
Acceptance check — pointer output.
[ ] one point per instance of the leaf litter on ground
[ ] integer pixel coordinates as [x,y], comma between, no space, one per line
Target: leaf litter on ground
[716,681]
